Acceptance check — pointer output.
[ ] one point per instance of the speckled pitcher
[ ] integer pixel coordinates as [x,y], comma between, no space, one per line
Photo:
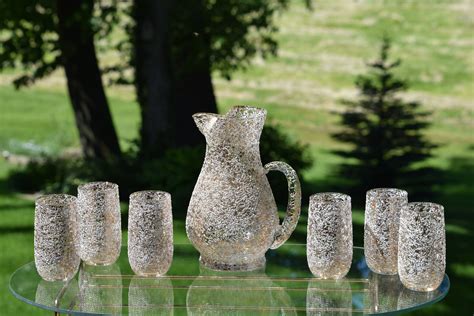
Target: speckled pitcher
[232,217]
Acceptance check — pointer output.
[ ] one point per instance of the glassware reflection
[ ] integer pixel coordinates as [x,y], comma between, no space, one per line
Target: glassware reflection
[409,298]
[249,293]
[150,296]
[53,293]
[332,297]
[100,289]
[384,292]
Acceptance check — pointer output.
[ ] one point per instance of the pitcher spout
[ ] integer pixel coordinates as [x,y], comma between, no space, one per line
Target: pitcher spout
[205,121]
[248,112]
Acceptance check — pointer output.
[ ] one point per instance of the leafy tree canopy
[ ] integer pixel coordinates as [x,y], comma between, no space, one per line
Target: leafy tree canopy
[226,33]
[29,35]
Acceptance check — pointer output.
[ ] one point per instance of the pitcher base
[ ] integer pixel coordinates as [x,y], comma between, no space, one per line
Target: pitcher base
[257,264]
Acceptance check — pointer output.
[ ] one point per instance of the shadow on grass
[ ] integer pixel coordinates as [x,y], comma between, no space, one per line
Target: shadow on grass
[14,206]
[16,229]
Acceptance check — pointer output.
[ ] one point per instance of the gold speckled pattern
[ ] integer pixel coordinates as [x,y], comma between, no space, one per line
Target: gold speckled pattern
[329,235]
[382,217]
[55,237]
[422,246]
[232,217]
[99,222]
[150,233]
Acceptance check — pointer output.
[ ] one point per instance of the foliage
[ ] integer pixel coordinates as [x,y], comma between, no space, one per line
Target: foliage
[278,146]
[29,38]
[225,35]
[175,171]
[233,31]
[384,132]
[229,33]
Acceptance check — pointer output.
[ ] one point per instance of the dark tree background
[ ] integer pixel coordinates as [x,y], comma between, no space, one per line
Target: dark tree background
[384,132]
[175,47]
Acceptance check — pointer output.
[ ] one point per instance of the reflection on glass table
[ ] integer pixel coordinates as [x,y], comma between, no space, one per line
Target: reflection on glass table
[286,286]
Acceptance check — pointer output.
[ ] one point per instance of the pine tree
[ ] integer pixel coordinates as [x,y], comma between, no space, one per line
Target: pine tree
[384,132]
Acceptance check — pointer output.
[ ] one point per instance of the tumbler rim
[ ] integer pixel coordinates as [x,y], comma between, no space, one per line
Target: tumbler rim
[389,191]
[57,199]
[433,208]
[330,196]
[156,194]
[98,186]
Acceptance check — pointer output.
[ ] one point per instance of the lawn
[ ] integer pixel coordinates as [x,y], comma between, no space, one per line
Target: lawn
[321,52]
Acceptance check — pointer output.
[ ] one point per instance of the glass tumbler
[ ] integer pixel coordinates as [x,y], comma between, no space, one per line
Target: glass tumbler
[99,223]
[55,237]
[150,233]
[329,236]
[422,246]
[382,216]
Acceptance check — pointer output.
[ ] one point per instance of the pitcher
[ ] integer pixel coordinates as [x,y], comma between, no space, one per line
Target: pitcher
[232,217]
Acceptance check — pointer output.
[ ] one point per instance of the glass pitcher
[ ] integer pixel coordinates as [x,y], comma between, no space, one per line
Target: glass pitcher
[232,217]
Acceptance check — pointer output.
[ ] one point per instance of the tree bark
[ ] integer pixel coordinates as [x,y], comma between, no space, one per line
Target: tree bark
[192,90]
[86,91]
[153,74]
[192,93]
[169,88]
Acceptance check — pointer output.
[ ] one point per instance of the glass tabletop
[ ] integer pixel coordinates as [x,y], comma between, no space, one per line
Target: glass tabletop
[286,286]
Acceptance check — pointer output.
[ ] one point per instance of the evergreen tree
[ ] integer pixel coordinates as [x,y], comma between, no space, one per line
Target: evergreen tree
[385,133]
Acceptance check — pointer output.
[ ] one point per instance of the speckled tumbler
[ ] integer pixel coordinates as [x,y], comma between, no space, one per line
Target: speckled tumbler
[55,237]
[422,246]
[329,236]
[99,223]
[382,216]
[150,233]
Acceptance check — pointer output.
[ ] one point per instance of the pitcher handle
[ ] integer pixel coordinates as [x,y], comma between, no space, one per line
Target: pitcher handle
[293,209]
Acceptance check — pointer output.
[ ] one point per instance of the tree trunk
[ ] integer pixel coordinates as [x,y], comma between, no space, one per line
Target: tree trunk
[192,90]
[86,91]
[192,93]
[170,88]
[153,74]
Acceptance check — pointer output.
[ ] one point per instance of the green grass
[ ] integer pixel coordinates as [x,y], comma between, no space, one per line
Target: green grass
[321,52]
[41,120]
